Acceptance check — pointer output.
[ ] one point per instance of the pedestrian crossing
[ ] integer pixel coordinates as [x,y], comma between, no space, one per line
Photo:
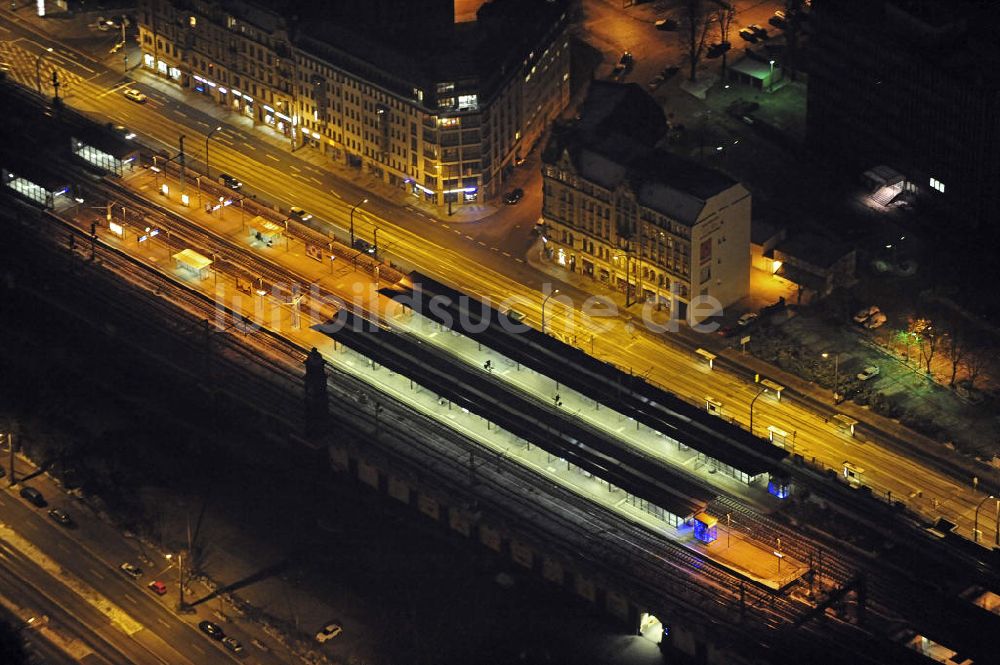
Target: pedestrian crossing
[35,71]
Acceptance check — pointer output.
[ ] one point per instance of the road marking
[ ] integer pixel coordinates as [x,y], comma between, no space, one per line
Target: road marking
[270,156]
[457,231]
[335,194]
[315,180]
[469,237]
[163,623]
[197,648]
[494,249]
[96,574]
[120,86]
[519,260]
[128,597]
[507,254]
[294,168]
[248,145]
[180,113]
[482,243]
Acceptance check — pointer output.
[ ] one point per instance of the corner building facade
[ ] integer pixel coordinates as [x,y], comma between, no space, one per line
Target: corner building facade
[655,226]
[447,122]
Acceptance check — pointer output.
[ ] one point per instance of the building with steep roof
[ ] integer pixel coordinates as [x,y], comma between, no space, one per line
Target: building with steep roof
[658,227]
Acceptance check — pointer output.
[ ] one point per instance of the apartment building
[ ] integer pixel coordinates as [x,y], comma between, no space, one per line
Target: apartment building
[914,85]
[653,225]
[444,107]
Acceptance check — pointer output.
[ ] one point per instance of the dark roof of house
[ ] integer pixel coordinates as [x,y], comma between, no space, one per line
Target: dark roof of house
[612,143]
[818,250]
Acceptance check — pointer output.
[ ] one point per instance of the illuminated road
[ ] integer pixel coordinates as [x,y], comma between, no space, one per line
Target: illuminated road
[452,252]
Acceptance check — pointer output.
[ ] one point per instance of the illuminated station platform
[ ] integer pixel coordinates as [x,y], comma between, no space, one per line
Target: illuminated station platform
[384,357]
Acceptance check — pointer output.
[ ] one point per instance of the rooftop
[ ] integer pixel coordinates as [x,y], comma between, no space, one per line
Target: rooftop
[612,144]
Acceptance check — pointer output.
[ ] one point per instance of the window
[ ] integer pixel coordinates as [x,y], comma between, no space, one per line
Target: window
[937,184]
[192,21]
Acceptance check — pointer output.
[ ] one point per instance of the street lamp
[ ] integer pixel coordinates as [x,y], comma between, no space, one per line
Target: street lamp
[975,524]
[545,300]
[352,219]
[375,242]
[208,169]
[770,78]
[836,374]
[180,579]
[759,393]
[38,69]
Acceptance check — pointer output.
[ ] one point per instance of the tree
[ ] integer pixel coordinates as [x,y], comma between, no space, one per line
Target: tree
[794,16]
[725,14]
[696,17]
[928,339]
[977,360]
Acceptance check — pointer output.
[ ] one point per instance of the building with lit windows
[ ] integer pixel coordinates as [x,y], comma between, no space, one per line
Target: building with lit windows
[914,85]
[644,221]
[443,105]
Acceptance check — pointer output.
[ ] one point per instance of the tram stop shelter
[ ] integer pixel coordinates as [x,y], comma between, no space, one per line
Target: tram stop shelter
[193,262]
[265,231]
[35,183]
[101,147]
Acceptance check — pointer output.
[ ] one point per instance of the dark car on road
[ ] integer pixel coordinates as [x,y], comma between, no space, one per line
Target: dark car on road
[61,517]
[513,196]
[212,630]
[33,496]
[229,181]
[233,645]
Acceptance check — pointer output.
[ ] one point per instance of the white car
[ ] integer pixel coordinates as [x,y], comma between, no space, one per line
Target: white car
[868,372]
[133,571]
[746,319]
[875,320]
[329,631]
[135,95]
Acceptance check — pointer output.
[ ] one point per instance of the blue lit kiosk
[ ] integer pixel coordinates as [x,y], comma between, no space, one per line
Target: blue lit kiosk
[706,527]
[192,262]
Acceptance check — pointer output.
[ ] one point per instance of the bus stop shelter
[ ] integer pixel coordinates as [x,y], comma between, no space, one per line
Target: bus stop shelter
[193,262]
[265,231]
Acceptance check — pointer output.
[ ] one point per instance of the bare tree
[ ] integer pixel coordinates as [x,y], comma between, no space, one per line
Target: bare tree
[725,14]
[977,360]
[695,18]
[794,16]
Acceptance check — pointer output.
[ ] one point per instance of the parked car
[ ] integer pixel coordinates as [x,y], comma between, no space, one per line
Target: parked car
[868,372]
[513,196]
[300,214]
[329,631]
[229,181]
[778,20]
[211,629]
[727,331]
[33,496]
[157,587]
[233,645]
[862,315]
[624,64]
[748,35]
[746,319]
[133,571]
[135,95]
[759,32]
[105,24]
[716,50]
[669,72]
[875,320]
[61,517]
[655,82]
[666,24]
